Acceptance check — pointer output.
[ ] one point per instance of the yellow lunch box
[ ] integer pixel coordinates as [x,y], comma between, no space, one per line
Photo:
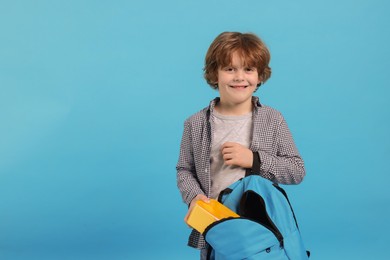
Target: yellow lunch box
[203,214]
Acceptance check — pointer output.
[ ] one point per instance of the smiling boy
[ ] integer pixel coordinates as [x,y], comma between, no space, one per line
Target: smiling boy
[235,135]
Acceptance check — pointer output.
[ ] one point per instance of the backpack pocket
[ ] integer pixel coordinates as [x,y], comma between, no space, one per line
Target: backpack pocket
[242,238]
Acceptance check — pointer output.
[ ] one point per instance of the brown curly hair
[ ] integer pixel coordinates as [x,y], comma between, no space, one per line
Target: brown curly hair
[249,46]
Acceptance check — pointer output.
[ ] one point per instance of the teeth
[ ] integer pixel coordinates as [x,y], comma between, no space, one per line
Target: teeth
[239,86]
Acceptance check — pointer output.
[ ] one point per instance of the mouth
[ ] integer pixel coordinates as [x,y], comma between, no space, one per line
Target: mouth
[239,86]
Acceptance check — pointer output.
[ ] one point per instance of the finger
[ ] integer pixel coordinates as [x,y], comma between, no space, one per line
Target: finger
[227,150]
[188,214]
[193,202]
[227,156]
[229,162]
[228,144]
[231,144]
[204,198]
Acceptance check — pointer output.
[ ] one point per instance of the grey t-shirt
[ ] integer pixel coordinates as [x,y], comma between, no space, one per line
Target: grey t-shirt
[236,129]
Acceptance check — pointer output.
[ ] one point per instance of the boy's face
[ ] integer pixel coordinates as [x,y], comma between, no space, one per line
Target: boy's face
[237,82]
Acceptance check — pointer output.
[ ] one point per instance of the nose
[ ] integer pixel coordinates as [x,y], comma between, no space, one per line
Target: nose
[239,76]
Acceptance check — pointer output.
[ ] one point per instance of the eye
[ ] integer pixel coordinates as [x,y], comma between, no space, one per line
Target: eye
[250,69]
[228,69]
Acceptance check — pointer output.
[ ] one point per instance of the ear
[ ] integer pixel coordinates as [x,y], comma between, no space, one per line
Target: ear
[215,84]
[259,81]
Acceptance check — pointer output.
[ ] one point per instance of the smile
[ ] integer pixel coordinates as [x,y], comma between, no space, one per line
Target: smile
[239,87]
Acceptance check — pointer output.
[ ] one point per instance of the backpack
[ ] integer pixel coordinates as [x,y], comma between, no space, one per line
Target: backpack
[266,229]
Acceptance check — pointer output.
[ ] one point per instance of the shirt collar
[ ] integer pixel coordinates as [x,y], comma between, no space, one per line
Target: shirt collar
[255,101]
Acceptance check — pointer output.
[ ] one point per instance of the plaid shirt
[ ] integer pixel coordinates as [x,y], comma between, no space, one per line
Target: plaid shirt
[280,161]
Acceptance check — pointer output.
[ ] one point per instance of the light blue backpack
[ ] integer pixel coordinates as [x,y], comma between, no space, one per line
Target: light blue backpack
[266,229]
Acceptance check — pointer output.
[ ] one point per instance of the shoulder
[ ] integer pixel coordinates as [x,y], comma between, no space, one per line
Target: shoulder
[263,112]
[199,118]
[270,113]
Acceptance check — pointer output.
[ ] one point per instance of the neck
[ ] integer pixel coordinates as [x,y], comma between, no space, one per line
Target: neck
[233,109]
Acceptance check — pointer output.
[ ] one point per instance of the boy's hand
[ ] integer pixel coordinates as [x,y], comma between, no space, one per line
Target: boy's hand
[193,202]
[237,154]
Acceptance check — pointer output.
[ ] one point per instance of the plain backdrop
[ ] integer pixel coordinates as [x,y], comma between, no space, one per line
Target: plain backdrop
[93,96]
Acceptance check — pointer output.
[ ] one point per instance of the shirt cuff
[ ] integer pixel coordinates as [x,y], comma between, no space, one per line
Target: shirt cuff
[256,163]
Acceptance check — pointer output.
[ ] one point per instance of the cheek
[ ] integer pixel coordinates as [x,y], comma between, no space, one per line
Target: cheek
[255,80]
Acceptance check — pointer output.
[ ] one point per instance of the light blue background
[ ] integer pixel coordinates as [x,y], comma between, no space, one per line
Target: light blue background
[93,96]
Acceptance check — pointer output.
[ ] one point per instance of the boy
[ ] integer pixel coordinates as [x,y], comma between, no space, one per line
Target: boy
[235,135]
